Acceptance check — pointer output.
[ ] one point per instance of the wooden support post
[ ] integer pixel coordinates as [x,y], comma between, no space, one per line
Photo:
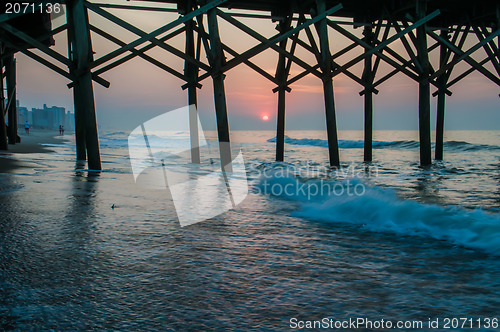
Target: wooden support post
[442,80]
[498,24]
[281,76]
[498,28]
[368,78]
[217,61]
[10,77]
[440,125]
[80,45]
[81,150]
[280,127]
[326,66]
[191,72]
[424,99]
[3,128]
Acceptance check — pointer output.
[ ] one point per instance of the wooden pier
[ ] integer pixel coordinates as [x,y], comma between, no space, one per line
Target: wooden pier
[419,26]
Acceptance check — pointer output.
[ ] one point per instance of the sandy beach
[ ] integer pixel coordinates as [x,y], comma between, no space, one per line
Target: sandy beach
[31,143]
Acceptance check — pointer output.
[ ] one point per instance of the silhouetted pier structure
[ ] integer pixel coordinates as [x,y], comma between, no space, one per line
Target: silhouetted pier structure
[419,26]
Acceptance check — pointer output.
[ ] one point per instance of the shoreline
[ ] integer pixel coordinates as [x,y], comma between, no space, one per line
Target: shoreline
[31,143]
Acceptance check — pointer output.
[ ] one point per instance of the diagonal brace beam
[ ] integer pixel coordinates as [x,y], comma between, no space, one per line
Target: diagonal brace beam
[203,34]
[159,31]
[271,43]
[265,44]
[463,75]
[142,33]
[465,55]
[141,50]
[138,53]
[35,43]
[373,50]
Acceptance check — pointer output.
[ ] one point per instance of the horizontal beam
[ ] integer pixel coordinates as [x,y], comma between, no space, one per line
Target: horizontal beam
[156,9]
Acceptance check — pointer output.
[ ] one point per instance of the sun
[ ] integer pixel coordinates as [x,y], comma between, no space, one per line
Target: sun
[265,117]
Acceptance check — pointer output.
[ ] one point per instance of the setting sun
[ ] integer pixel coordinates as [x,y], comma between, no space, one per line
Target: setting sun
[265,117]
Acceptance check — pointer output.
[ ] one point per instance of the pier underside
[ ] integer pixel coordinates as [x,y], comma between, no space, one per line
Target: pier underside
[402,35]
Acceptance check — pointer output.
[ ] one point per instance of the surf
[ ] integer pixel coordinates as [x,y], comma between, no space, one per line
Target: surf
[457,146]
[378,209]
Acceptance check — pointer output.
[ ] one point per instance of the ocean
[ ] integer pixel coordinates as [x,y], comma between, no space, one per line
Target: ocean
[387,240]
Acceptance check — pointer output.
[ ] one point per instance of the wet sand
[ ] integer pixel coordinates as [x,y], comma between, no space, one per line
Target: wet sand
[31,143]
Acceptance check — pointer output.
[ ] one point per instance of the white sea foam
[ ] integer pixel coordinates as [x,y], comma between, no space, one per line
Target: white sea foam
[380,210]
[457,146]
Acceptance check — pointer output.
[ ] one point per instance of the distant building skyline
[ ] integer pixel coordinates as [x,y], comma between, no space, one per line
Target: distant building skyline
[45,117]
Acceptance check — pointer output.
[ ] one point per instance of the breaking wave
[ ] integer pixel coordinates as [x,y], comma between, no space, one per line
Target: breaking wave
[380,210]
[458,146]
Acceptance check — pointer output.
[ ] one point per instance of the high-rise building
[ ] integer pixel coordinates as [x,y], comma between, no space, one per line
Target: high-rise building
[49,117]
[70,121]
[22,115]
[46,117]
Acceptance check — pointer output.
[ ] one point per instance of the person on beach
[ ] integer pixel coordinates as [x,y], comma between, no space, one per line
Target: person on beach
[27,127]
[61,130]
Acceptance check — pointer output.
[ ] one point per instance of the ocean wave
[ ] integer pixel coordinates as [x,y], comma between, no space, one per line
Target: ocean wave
[408,144]
[113,143]
[380,210]
[465,146]
[115,134]
[54,145]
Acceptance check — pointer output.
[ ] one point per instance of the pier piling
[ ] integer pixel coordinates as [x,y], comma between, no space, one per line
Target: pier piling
[441,101]
[191,72]
[10,77]
[280,128]
[424,98]
[281,76]
[368,77]
[81,150]
[217,59]
[3,129]
[326,66]
[82,55]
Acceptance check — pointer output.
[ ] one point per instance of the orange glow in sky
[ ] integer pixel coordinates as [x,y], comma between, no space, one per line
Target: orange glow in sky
[265,117]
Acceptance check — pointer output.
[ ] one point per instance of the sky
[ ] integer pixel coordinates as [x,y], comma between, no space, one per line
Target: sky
[140,91]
